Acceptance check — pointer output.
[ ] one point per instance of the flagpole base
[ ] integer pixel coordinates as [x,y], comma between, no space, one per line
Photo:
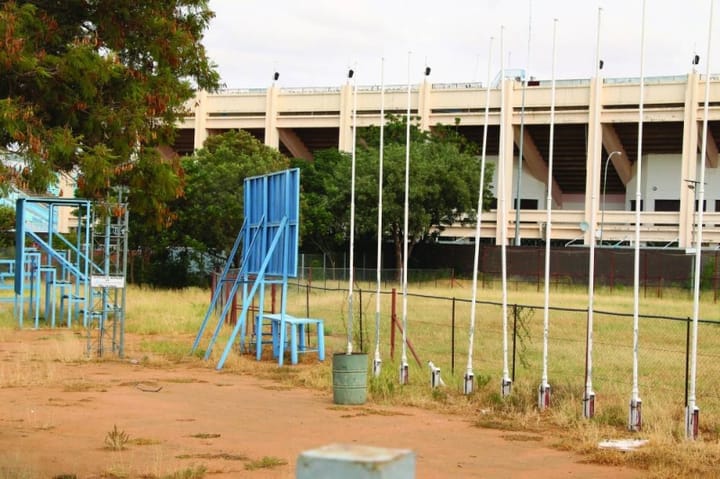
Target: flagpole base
[468,383]
[692,422]
[404,373]
[377,367]
[506,387]
[544,391]
[589,405]
[635,415]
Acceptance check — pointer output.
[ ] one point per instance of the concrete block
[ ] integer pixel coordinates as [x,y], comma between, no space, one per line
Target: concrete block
[352,461]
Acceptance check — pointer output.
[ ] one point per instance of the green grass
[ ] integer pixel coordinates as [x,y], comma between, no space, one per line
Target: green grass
[167,322]
[267,462]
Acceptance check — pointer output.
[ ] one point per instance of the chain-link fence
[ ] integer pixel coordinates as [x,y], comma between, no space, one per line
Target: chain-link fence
[438,330]
[660,270]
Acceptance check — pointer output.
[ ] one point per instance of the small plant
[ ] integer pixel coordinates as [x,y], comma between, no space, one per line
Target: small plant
[483,380]
[382,387]
[439,395]
[267,462]
[116,439]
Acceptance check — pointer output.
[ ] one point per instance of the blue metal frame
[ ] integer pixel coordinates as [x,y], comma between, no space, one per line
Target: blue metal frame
[269,243]
[29,268]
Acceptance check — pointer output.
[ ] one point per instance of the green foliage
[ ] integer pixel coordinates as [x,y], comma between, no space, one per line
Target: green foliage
[444,183]
[207,217]
[96,87]
[382,388]
[325,184]
[210,213]
[708,276]
[7,226]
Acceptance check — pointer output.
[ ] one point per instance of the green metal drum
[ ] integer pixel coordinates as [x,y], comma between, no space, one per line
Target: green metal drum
[350,378]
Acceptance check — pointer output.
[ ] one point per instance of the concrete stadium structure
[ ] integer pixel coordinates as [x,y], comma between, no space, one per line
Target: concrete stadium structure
[593,118]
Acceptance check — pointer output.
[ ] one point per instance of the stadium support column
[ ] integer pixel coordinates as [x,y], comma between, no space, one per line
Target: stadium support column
[594,152]
[688,168]
[424,109]
[346,110]
[505,156]
[200,119]
[272,136]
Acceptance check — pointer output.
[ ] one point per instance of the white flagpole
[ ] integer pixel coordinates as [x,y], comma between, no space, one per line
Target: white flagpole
[469,376]
[692,412]
[506,386]
[589,395]
[521,145]
[404,373]
[635,415]
[544,389]
[352,223]
[377,363]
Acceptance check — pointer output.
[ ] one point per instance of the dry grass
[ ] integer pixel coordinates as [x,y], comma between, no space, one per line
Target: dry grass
[167,322]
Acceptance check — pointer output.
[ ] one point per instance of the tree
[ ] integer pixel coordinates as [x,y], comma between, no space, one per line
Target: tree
[208,217]
[210,213]
[7,226]
[444,183]
[93,87]
[324,200]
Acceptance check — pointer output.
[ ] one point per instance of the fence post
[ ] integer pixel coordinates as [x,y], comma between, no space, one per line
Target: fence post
[234,309]
[452,335]
[272,298]
[307,300]
[716,279]
[515,316]
[393,318]
[687,357]
[362,350]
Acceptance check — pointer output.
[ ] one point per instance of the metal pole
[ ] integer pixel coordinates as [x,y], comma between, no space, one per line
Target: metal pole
[469,375]
[514,340]
[452,339]
[692,412]
[352,220]
[589,394]
[635,415]
[377,361]
[544,388]
[518,193]
[506,384]
[406,236]
[360,300]
[688,328]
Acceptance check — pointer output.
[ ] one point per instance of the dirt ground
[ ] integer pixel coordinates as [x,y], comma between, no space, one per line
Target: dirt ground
[57,412]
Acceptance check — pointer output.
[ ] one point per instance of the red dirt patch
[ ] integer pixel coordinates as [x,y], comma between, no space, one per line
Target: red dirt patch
[56,416]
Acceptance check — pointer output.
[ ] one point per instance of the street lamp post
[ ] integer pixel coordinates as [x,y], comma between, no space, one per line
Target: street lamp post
[602,217]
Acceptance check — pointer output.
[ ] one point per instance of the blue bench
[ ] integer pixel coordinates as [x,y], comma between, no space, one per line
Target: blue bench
[289,329]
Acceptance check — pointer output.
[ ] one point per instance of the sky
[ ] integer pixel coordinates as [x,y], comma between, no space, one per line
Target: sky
[313,43]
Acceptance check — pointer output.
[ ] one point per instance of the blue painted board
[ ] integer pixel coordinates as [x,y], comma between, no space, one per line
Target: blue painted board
[268,199]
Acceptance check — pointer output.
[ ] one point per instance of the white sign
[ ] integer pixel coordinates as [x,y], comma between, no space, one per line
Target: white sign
[107,281]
